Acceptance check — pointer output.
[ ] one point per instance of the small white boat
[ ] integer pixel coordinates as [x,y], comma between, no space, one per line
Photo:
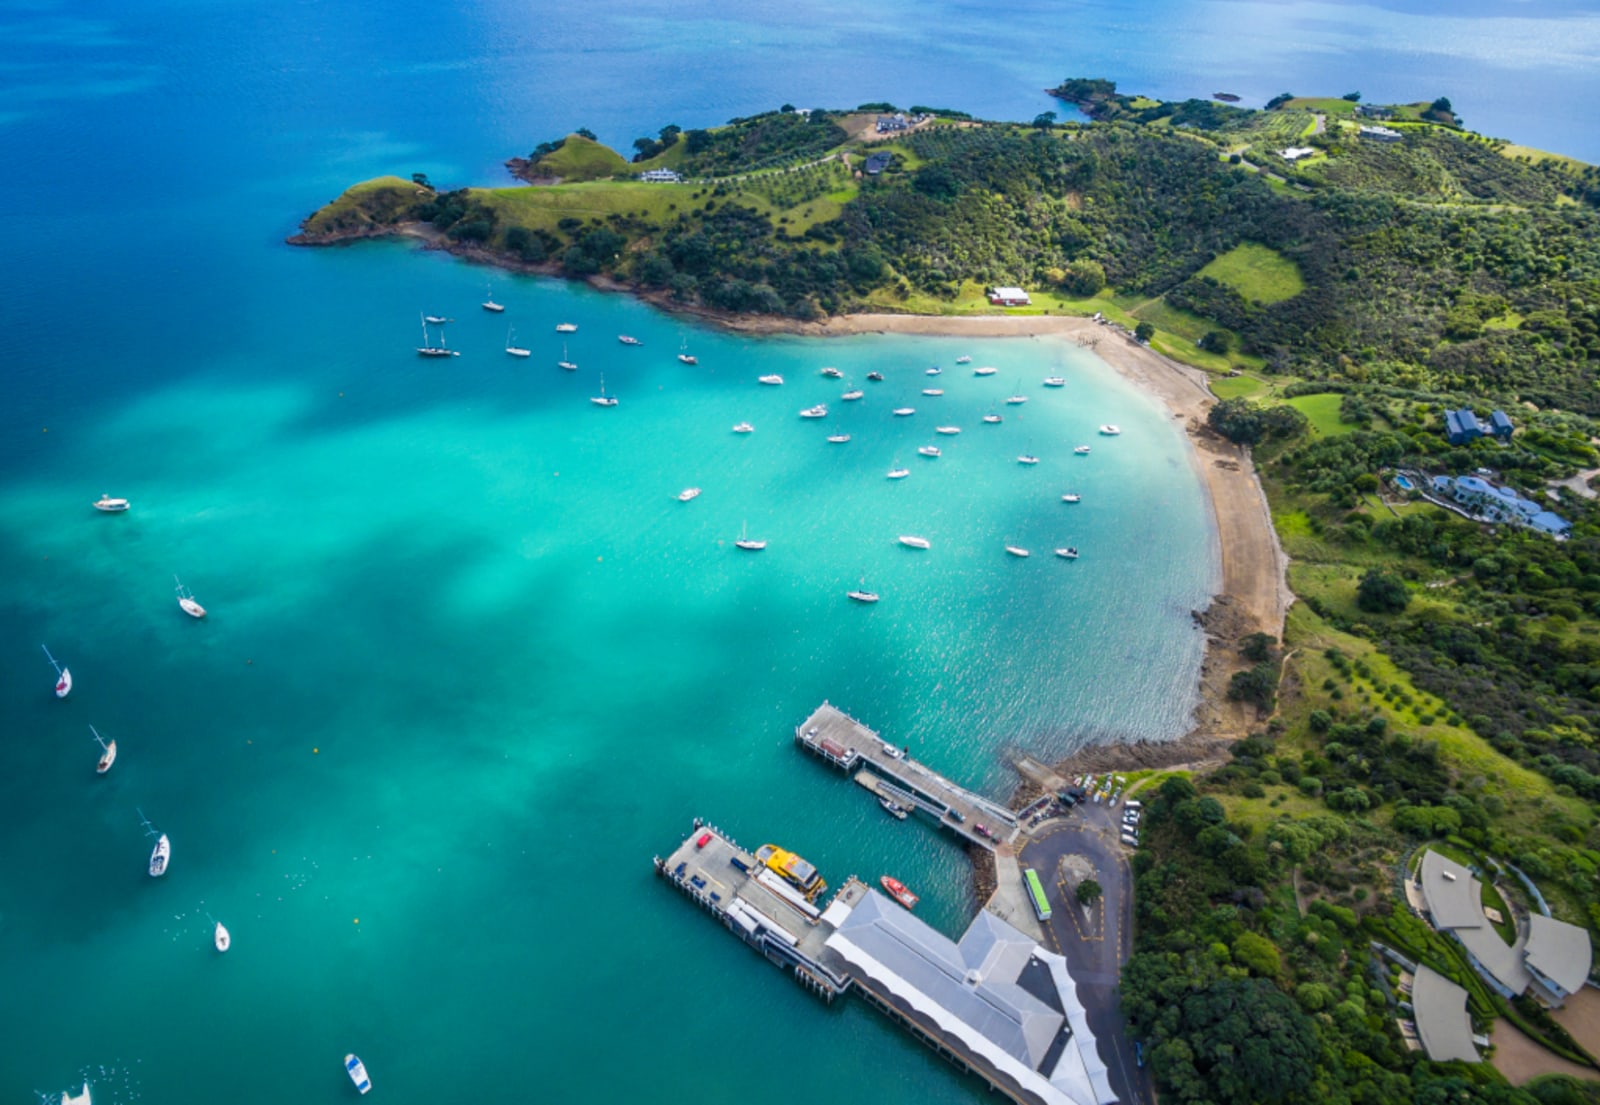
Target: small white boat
[1017,550]
[108,753]
[992,419]
[948,431]
[357,1071]
[985,370]
[563,363]
[1072,497]
[186,601]
[1055,381]
[427,349]
[743,428]
[688,493]
[1110,430]
[489,304]
[82,1098]
[963,359]
[838,439]
[684,356]
[626,340]
[933,391]
[934,371]
[852,395]
[863,596]
[818,411]
[1027,458]
[1068,553]
[899,473]
[772,379]
[566,327]
[929,450]
[904,412]
[603,400]
[436,320]
[832,373]
[161,854]
[911,541]
[109,505]
[1014,400]
[515,350]
[747,543]
[63,676]
[892,808]
[875,376]
[221,938]
[1082,450]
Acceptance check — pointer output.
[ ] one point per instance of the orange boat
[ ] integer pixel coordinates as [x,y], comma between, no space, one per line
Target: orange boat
[899,892]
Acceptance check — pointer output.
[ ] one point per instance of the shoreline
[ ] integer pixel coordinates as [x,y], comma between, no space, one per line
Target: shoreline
[1254,594]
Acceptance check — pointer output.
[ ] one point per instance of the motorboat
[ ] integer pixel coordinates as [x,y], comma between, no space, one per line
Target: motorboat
[627,340]
[63,675]
[1018,550]
[515,350]
[1072,497]
[1015,400]
[818,411]
[1082,450]
[186,601]
[838,439]
[863,596]
[852,395]
[566,327]
[743,428]
[108,753]
[1110,431]
[911,541]
[929,450]
[1027,458]
[436,320]
[771,379]
[875,377]
[934,371]
[948,431]
[603,400]
[904,412]
[992,419]
[964,359]
[898,891]
[1068,553]
[109,505]
[748,543]
[221,938]
[357,1071]
[832,373]
[1055,381]
[688,493]
[985,370]
[892,808]
[933,391]
[899,473]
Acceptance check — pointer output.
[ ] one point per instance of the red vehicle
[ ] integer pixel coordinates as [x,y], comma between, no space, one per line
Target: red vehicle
[705,838]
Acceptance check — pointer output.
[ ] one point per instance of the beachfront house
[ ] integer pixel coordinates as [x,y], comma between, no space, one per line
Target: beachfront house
[1491,502]
[661,176]
[1009,297]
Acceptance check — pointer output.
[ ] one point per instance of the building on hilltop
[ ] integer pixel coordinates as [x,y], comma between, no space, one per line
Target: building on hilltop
[1295,153]
[1380,134]
[1462,426]
[1009,297]
[1439,1007]
[661,176]
[1500,425]
[877,163]
[1490,502]
[995,1003]
[1550,958]
[1373,111]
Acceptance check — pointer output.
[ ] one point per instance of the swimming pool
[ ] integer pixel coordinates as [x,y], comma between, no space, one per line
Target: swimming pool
[1402,483]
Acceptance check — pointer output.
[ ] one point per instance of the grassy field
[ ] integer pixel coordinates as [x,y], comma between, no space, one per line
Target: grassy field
[543,208]
[1512,150]
[384,194]
[1256,272]
[581,159]
[1327,105]
[1322,411]
[1238,387]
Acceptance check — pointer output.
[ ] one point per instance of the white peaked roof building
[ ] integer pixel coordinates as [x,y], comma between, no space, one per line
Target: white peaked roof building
[996,1001]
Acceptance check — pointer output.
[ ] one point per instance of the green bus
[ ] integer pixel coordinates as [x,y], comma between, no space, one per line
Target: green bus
[1036,892]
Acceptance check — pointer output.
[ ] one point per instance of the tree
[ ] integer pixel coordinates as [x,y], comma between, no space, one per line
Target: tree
[1279,100]
[1382,593]
[421,180]
[1089,892]
[697,141]
[1083,278]
[1044,120]
[1144,332]
[1249,1042]
[1257,953]
[585,132]
[1215,341]
[1258,647]
[1353,97]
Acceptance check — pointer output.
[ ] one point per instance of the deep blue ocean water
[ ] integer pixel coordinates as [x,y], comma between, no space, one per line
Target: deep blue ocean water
[469,664]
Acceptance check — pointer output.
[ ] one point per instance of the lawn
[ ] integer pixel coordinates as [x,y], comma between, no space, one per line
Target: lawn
[1237,387]
[580,159]
[1322,411]
[1256,272]
[363,203]
[1327,105]
[544,208]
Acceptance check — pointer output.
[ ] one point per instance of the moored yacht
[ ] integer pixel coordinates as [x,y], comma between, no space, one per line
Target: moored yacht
[1072,497]
[515,350]
[1027,458]
[838,439]
[603,400]
[899,473]
[985,370]
[992,419]
[1082,450]
[933,391]
[771,379]
[948,431]
[1014,400]
[427,348]
[563,363]
[904,412]
[566,327]
[627,340]
[1055,381]
[934,371]
[832,373]
[108,753]
[929,450]
[1068,553]
[852,395]
[1017,550]
[109,505]
[911,541]
[684,356]
[1110,430]
[964,359]
[860,595]
[748,543]
[357,1071]
[63,676]
[743,428]
[818,411]
[161,854]
[875,377]
[489,304]
[436,320]
[186,601]
[221,938]
[688,493]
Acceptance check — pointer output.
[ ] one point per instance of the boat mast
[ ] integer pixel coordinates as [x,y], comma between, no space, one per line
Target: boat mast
[52,660]
[102,741]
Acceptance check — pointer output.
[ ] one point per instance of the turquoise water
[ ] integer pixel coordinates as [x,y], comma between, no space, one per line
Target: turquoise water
[469,664]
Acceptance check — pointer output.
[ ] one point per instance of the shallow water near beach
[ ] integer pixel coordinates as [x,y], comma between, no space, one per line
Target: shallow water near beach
[469,664]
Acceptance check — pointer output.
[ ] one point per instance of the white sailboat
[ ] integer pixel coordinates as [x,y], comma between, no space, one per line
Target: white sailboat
[771,379]
[108,752]
[81,1098]
[563,363]
[489,304]
[221,937]
[515,350]
[187,602]
[603,400]
[63,676]
[161,854]
[566,327]
[912,541]
[748,543]
[743,428]
[429,350]
[861,594]
[684,356]
[688,494]
[898,473]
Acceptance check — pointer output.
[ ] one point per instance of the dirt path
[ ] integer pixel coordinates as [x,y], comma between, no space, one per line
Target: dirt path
[1521,1060]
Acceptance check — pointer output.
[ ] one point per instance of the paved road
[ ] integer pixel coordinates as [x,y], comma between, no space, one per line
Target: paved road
[1095,947]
